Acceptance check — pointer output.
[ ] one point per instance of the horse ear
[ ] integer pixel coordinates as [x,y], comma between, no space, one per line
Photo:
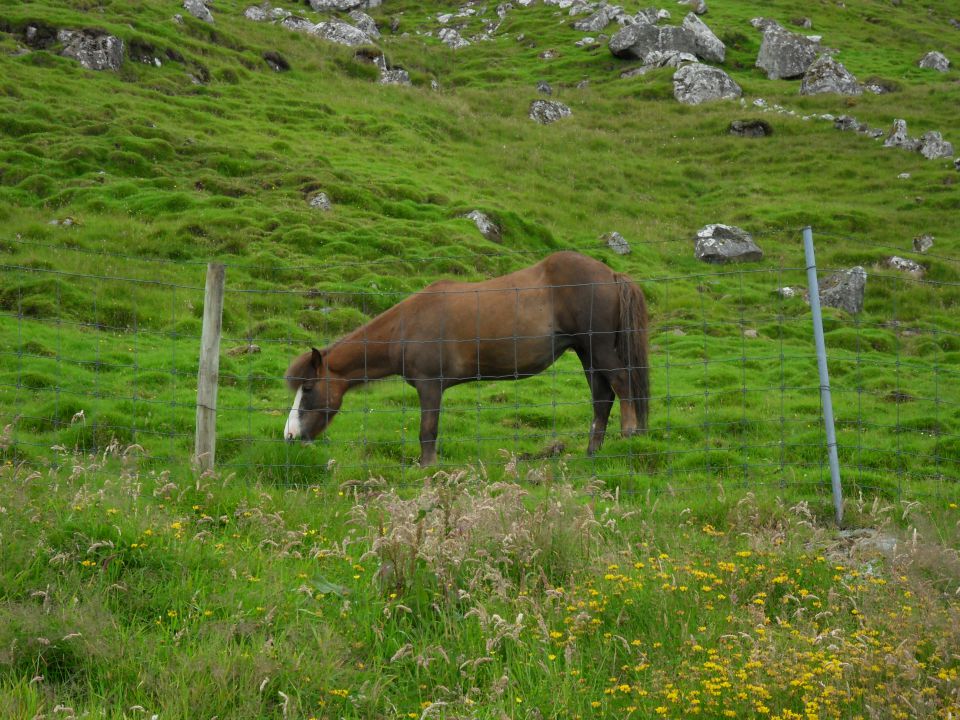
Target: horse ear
[316,360]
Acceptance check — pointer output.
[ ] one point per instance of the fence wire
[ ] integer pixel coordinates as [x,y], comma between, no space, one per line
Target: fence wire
[99,348]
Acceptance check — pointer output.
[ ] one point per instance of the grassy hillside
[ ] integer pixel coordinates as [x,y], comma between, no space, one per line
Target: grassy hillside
[249,593]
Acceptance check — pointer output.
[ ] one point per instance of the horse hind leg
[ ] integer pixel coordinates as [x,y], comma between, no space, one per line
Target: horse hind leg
[602,396]
[620,380]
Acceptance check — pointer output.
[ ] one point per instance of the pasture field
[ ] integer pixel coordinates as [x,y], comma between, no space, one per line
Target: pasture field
[693,570]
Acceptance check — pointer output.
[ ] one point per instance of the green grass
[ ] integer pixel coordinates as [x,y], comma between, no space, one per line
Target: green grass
[216,594]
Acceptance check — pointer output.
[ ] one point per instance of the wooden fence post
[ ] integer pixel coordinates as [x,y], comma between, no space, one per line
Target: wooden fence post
[209,371]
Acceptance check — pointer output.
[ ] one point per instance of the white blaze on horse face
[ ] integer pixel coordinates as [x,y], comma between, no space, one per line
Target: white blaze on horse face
[292,429]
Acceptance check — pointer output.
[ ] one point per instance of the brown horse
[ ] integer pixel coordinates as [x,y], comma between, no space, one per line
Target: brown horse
[507,328]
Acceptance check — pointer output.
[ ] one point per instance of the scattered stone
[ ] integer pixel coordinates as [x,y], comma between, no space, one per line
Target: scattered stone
[725,243]
[935,61]
[544,88]
[94,50]
[898,137]
[697,6]
[487,227]
[667,58]
[922,243]
[804,22]
[616,242]
[550,54]
[904,265]
[255,13]
[320,201]
[276,61]
[586,42]
[341,33]
[790,292]
[696,84]
[750,128]
[583,84]
[784,54]
[279,14]
[178,19]
[845,290]
[250,349]
[933,146]
[198,9]
[826,75]
[452,39]
[548,111]
[750,333]
[342,5]
[365,23]
[849,123]
[763,24]
[903,176]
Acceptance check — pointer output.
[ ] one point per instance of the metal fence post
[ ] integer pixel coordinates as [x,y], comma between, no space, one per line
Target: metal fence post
[208,374]
[826,400]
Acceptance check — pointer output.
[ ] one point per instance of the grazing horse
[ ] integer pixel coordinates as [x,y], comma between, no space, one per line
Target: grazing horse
[506,328]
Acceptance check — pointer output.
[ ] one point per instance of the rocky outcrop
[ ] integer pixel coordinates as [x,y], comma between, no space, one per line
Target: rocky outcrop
[548,111]
[935,61]
[931,144]
[845,290]
[297,24]
[92,49]
[726,243]
[597,21]
[452,39]
[695,84]
[904,265]
[707,46]
[826,75]
[784,54]
[198,9]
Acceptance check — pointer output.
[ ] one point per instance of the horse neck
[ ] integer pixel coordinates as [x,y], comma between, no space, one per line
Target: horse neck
[364,354]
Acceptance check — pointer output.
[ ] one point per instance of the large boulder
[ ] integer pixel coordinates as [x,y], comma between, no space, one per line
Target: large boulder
[548,111]
[198,9]
[341,33]
[750,128]
[595,22]
[933,146]
[726,243]
[638,40]
[784,54]
[92,49]
[845,290]
[695,84]
[255,13]
[826,75]
[297,23]
[365,23]
[708,46]
[935,61]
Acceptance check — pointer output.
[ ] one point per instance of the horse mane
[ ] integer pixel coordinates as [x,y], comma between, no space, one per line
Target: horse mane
[300,370]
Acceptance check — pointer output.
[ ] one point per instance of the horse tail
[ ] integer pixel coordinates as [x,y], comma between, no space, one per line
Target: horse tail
[630,344]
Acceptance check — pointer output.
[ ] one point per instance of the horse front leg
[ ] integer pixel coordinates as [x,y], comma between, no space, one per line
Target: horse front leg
[430,394]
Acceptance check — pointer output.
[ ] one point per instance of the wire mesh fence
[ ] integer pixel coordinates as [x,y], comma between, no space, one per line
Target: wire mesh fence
[101,348]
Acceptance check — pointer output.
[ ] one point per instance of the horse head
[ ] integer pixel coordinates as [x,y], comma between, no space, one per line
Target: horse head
[319,393]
